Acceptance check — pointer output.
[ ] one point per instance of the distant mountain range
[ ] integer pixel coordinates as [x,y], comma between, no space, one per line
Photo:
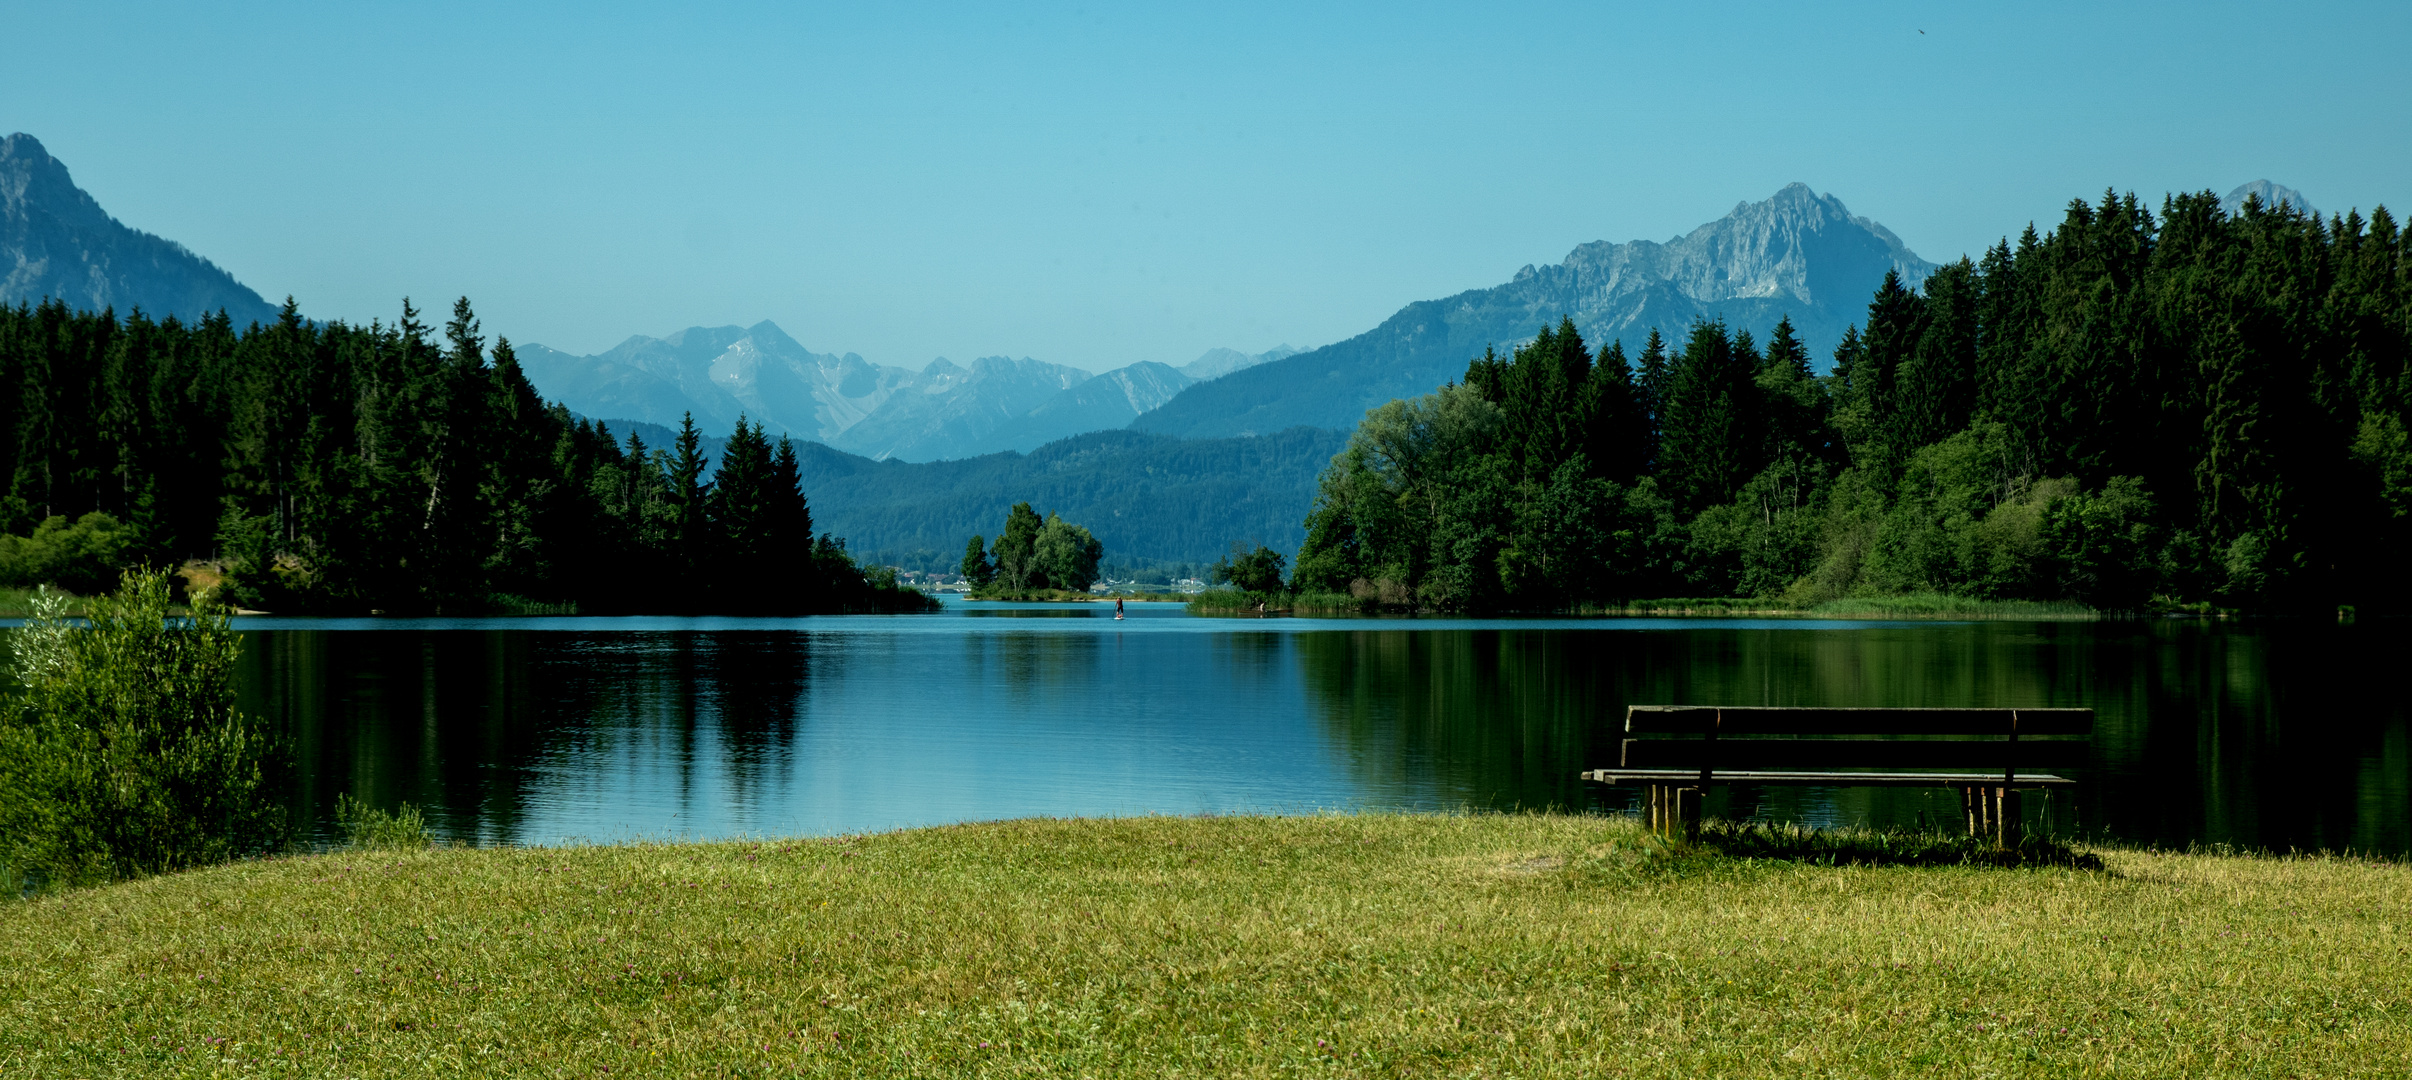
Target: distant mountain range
[1183,479]
[55,241]
[1798,254]
[943,411]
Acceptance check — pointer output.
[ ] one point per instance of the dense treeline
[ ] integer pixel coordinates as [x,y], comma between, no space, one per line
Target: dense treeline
[2189,406]
[332,467]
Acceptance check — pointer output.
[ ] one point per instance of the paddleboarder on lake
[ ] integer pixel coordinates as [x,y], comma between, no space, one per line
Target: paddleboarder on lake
[1117,607]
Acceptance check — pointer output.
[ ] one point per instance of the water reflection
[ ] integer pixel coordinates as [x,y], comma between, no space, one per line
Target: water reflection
[2286,737]
[1484,719]
[2278,737]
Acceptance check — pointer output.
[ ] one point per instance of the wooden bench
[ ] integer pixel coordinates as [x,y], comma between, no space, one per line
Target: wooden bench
[1677,751]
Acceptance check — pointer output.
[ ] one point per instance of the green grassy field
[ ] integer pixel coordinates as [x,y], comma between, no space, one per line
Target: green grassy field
[1539,946]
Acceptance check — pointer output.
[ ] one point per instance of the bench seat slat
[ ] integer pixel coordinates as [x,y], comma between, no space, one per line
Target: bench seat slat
[1723,754]
[1787,720]
[1825,779]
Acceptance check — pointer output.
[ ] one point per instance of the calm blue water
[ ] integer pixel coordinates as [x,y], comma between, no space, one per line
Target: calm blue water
[554,730]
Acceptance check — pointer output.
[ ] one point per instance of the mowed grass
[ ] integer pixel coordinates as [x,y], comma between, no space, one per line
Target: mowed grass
[1553,946]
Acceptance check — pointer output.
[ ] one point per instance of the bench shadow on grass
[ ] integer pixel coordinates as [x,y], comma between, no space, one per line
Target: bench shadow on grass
[1726,842]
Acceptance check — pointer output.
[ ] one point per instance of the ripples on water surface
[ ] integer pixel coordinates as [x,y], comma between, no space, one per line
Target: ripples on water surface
[545,730]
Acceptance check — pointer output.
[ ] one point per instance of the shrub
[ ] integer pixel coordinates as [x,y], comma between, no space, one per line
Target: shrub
[366,828]
[1257,571]
[123,754]
[82,557]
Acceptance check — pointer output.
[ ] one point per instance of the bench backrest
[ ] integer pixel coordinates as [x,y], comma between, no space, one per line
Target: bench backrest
[1711,738]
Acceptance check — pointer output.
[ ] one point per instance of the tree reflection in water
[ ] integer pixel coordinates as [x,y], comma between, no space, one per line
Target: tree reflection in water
[2270,735]
[2278,737]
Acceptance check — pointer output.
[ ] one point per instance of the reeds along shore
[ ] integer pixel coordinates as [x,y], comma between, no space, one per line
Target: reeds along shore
[1537,945]
[1909,606]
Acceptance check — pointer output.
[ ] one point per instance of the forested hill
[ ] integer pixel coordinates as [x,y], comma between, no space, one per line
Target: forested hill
[56,242]
[2191,406]
[1798,254]
[1146,497]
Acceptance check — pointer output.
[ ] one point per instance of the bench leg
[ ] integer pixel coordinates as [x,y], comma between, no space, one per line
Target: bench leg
[1674,812]
[1992,814]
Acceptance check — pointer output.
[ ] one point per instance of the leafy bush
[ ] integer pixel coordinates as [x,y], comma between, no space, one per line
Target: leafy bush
[1258,571]
[123,754]
[1965,520]
[367,828]
[82,557]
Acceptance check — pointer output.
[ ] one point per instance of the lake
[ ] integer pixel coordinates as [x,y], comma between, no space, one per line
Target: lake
[539,731]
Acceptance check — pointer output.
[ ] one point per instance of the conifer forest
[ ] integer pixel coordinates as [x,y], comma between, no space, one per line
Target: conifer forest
[388,468]
[2182,408]
[2132,409]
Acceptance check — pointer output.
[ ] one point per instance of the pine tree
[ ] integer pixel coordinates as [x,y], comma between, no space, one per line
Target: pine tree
[743,559]
[977,568]
[1936,384]
[787,532]
[1616,439]
[1709,442]
[1652,385]
[1896,319]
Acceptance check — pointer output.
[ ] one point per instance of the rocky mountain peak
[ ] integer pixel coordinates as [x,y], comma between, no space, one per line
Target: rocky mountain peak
[33,181]
[1797,244]
[57,243]
[767,335]
[1798,254]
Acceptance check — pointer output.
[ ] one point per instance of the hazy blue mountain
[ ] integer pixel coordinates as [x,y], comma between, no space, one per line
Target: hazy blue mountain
[718,373]
[2271,195]
[1146,497]
[950,411]
[1797,254]
[56,242]
[1108,401]
[945,410]
[1217,363]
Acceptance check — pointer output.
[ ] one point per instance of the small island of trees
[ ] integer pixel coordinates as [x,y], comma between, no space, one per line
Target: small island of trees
[1032,558]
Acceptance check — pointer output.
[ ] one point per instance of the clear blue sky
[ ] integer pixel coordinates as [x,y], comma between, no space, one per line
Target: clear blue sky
[1096,184]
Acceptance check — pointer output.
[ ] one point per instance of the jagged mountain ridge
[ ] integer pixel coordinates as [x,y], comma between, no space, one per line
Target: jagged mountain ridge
[944,411]
[1111,400]
[1798,254]
[950,411]
[57,243]
[718,373]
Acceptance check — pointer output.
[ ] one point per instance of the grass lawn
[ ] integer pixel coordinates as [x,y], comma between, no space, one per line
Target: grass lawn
[1345,946]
